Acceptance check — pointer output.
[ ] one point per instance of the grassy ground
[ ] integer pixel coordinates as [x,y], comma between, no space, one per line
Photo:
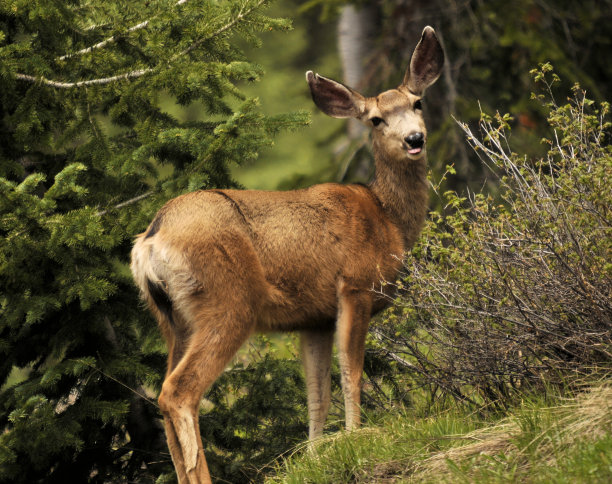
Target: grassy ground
[561,441]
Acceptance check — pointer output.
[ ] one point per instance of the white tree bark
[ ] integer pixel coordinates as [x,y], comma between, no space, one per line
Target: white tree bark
[356,35]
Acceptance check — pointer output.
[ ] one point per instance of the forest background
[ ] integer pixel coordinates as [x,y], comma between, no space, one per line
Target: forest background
[109,110]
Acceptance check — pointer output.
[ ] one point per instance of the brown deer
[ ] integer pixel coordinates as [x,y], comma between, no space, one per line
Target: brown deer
[216,265]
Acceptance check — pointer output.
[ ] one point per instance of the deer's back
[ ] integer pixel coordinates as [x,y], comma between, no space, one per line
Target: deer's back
[292,248]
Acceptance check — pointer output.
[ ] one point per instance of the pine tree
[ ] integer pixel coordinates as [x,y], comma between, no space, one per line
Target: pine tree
[91,145]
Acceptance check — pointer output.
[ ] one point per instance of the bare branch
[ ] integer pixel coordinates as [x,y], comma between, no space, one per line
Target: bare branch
[91,82]
[380,336]
[127,202]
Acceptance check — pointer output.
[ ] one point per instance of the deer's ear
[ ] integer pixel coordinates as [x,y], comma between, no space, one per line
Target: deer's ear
[426,63]
[334,98]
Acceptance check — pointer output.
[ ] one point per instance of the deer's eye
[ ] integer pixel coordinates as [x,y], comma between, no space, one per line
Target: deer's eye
[418,105]
[376,120]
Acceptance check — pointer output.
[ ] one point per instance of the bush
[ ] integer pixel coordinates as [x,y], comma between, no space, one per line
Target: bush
[258,413]
[508,292]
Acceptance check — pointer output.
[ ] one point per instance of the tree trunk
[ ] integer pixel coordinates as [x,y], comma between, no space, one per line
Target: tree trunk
[357,30]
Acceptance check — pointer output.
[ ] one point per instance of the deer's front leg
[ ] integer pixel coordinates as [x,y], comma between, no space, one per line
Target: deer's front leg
[316,349]
[355,308]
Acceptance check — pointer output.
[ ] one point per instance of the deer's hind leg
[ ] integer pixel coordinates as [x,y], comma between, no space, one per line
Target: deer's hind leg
[217,337]
[218,305]
[176,340]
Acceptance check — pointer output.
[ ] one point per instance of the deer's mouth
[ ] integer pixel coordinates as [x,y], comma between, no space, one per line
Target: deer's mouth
[414,152]
[414,145]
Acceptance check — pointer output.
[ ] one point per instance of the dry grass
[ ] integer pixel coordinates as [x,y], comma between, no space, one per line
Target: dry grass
[588,417]
[569,442]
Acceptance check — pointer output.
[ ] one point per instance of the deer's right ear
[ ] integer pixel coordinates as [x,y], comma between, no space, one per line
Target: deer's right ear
[335,99]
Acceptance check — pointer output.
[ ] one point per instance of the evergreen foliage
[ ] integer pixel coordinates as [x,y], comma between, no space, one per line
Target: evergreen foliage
[97,103]
[90,147]
[265,417]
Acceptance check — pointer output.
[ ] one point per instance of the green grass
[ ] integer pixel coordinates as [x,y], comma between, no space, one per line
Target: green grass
[560,440]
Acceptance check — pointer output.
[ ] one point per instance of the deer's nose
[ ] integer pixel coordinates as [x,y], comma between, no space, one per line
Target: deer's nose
[415,140]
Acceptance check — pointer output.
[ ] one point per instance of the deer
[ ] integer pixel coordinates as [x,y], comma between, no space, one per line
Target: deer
[216,265]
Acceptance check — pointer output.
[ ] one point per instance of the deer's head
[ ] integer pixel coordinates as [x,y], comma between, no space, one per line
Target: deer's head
[395,116]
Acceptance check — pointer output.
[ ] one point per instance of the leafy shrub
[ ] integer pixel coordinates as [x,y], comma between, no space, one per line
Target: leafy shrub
[515,291]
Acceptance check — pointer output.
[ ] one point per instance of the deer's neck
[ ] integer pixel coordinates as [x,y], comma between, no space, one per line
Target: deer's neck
[403,192]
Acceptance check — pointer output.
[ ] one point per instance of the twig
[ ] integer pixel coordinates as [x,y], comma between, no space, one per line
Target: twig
[127,202]
[110,377]
[380,336]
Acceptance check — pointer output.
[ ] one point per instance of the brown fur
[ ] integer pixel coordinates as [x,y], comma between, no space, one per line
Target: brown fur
[217,265]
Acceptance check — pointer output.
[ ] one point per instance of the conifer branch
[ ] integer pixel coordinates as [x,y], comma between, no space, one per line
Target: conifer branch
[239,17]
[91,82]
[140,72]
[220,30]
[112,39]
[110,377]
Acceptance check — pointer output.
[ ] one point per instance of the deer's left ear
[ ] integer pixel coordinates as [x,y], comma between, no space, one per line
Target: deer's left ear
[333,98]
[426,63]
